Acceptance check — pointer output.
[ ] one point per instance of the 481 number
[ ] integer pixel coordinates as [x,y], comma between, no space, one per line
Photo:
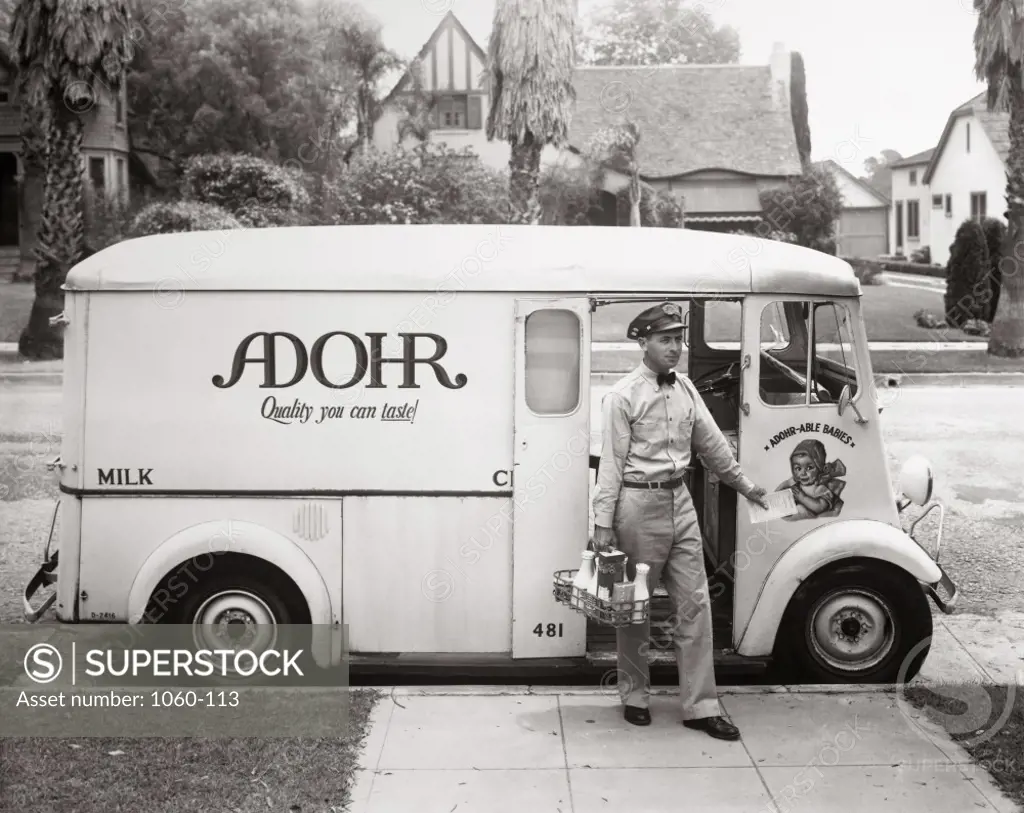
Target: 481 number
[548,631]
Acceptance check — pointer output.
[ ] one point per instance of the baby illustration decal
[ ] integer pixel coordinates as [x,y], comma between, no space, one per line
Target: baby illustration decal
[815,483]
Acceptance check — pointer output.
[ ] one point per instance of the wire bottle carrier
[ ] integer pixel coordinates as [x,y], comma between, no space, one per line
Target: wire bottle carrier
[603,611]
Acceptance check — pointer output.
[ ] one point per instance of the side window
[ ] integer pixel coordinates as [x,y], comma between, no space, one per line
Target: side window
[722,323]
[834,356]
[788,359]
[552,369]
[783,376]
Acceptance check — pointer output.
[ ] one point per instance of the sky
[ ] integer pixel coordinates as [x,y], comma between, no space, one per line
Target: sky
[881,74]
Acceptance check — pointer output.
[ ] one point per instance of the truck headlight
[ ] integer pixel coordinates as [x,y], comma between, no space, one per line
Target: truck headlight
[916,479]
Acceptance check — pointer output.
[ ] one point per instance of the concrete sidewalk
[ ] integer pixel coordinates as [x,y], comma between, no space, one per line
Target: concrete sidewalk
[814,748]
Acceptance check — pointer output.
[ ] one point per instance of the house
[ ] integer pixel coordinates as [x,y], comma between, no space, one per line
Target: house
[714,135]
[911,215]
[107,165]
[863,226]
[966,176]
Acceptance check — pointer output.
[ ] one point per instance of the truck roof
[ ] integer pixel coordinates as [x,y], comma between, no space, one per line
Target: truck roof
[444,258]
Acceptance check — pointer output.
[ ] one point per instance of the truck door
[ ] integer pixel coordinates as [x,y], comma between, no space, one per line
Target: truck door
[551,471]
[802,352]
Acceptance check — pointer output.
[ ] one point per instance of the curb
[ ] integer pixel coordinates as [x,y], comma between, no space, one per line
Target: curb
[589,691]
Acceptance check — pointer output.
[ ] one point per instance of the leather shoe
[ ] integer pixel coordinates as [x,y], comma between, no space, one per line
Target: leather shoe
[637,715]
[717,727]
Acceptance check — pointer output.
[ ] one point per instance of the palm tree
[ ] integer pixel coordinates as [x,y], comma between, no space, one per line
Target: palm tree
[532,53]
[999,61]
[67,54]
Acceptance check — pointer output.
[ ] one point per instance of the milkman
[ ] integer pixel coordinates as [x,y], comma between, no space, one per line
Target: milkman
[652,416]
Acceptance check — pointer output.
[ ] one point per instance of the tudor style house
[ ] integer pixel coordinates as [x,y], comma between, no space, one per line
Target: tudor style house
[107,165]
[714,135]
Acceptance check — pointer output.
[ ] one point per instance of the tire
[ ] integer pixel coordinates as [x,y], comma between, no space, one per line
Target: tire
[263,612]
[881,611]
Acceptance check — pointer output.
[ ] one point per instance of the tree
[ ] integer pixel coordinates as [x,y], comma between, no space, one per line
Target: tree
[658,32]
[999,61]
[530,66]
[798,104]
[69,55]
[878,171]
[616,148]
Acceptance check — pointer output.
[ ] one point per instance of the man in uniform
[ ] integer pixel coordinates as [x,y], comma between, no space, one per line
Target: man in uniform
[642,507]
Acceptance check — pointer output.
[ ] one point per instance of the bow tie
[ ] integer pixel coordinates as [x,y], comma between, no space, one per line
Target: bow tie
[667,378]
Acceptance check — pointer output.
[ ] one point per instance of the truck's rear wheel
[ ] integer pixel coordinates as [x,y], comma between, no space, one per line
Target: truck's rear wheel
[251,611]
[862,621]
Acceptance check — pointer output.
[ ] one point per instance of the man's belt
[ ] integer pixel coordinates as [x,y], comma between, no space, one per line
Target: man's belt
[653,484]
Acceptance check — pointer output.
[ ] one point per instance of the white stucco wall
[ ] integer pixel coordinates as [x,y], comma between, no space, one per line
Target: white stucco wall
[854,195]
[959,173]
[903,191]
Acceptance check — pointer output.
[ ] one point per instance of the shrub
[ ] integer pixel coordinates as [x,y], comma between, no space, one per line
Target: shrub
[569,196]
[428,183]
[967,285]
[257,192]
[869,272]
[922,255]
[659,208]
[179,216]
[808,206]
[995,233]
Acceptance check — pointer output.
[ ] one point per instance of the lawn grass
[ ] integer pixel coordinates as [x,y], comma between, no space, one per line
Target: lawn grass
[1002,754]
[15,305]
[169,775]
[888,317]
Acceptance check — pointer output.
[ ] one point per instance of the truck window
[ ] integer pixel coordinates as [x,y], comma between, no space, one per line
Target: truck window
[786,359]
[552,368]
[722,323]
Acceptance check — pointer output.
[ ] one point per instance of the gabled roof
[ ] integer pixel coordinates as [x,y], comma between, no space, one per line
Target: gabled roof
[836,167]
[995,125]
[449,20]
[691,117]
[914,160]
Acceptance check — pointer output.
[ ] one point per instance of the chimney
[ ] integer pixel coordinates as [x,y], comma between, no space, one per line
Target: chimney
[781,65]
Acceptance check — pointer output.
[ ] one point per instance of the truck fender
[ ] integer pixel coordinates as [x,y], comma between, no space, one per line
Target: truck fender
[235,536]
[839,540]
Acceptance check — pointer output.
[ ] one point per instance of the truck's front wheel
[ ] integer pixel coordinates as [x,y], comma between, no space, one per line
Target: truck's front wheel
[862,621]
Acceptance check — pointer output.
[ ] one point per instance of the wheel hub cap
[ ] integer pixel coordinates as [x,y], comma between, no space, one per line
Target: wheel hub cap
[235,620]
[852,630]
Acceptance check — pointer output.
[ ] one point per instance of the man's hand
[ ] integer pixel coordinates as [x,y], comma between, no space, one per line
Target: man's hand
[760,496]
[603,539]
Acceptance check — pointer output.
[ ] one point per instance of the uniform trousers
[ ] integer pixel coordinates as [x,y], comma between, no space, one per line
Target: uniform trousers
[659,527]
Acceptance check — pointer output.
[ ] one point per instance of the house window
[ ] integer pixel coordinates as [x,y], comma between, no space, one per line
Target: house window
[453,112]
[97,174]
[979,205]
[913,177]
[949,205]
[968,136]
[936,201]
[913,220]
[122,187]
[119,107]
[458,112]
[5,96]
[899,226]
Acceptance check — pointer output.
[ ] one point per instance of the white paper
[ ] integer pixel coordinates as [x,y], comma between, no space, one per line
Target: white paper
[781,504]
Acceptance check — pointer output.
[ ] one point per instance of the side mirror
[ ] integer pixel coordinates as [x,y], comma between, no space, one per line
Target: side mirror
[846,402]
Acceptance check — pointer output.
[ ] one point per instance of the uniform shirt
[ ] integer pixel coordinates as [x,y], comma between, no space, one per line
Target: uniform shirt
[647,435]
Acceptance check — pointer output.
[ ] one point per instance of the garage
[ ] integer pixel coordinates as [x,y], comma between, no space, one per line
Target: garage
[863,232]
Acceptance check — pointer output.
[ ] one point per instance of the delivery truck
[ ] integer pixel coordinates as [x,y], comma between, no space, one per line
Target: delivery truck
[390,433]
